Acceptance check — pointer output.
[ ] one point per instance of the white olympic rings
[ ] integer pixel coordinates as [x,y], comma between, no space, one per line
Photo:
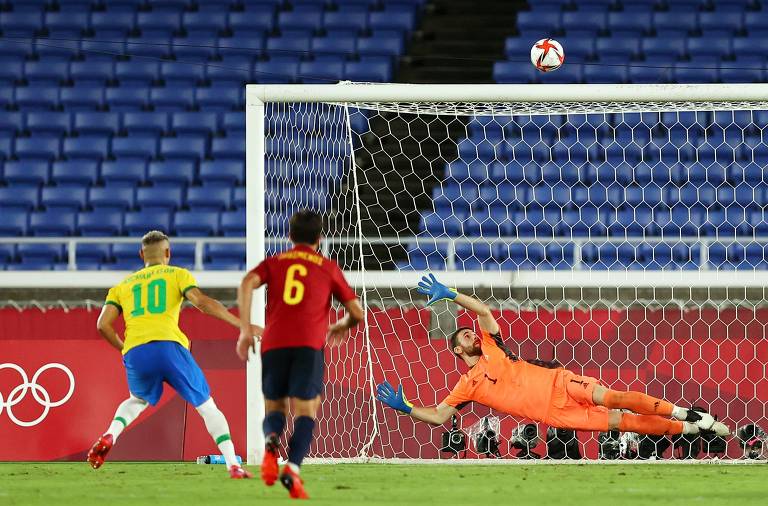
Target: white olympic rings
[40,394]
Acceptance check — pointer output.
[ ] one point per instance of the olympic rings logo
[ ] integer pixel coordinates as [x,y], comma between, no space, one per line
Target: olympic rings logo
[38,392]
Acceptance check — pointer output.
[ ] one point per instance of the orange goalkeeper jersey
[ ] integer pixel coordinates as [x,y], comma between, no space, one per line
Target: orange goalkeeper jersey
[503,382]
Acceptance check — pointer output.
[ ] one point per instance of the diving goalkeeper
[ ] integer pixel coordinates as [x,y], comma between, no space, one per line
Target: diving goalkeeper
[543,392]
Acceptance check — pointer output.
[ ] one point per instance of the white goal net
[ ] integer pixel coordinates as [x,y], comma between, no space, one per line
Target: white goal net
[625,238]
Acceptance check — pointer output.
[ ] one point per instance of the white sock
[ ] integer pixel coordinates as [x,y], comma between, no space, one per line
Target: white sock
[293,467]
[679,413]
[218,428]
[127,412]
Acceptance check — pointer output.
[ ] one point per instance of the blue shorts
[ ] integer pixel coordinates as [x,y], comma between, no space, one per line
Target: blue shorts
[292,372]
[149,365]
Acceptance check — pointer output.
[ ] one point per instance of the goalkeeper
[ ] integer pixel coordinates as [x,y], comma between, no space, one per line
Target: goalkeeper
[547,393]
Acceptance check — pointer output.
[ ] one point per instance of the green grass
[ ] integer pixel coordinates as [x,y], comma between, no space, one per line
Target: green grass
[172,484]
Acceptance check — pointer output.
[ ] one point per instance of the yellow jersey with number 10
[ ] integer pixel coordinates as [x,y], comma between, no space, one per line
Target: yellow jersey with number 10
[150,300]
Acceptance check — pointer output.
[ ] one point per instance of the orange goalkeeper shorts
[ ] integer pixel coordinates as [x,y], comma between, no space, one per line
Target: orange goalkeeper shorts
[572,405]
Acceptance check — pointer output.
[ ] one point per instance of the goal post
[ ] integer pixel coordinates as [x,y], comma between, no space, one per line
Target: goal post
[647,278]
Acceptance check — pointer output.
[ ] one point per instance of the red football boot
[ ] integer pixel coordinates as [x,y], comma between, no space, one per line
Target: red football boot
[269,466]
[99,451]
[239,473]
[293,483]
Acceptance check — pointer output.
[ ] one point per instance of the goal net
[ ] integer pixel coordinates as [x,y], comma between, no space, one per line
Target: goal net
[620,230]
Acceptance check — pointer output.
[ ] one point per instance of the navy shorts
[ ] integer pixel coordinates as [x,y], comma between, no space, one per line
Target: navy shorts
[150,365]
[292,372]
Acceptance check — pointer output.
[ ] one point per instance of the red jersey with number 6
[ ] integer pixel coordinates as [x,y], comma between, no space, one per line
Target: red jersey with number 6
[300,283]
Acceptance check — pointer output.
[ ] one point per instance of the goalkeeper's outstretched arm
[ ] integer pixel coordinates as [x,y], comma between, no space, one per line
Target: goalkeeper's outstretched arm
[435,415]
[437,291]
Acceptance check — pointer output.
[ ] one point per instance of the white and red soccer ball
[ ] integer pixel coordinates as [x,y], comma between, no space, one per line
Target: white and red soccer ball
[547,55]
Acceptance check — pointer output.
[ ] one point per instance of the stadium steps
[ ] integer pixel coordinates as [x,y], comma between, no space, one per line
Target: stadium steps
[458,41]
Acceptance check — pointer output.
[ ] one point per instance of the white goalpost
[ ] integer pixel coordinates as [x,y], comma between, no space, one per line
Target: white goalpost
[620,229]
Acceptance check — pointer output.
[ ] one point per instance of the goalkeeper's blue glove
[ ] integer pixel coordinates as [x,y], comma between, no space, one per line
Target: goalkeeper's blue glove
[394,399]
[436,290]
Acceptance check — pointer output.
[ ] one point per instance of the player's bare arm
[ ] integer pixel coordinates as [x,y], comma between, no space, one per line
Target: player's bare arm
[395,399]
[339,331]
[437,291]
[245,342]
[104,325]
[213,307]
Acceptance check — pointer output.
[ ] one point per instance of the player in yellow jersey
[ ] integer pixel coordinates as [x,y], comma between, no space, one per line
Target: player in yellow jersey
[156,351]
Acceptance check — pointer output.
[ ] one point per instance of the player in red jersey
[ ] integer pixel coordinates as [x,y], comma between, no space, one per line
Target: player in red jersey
[301,283]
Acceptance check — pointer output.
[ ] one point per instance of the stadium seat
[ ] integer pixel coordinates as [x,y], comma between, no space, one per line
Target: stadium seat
[219,98]
[49,123]
[209,198]
[15,222]
[19,197]
[228,147]
[126,171]
[139,223]
[75,172]
[195,223]
[86,147]
[161,199]
[196,122]
[220,253]
[52,223]
[127,98]
[232,223]
[111,198]
[141,147]
[171,172]
[151,123]
[37,97]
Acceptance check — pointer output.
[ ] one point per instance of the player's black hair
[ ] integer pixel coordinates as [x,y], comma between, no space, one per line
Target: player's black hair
[455,336]
[153,237]
[305,227]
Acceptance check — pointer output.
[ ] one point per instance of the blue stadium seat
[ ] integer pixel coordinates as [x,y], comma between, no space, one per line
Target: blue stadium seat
[127,98]
[252,20]
[64,198]
[75,172]
[513,72]
[130,172]
[35,254]
[229,172]
[195,223]
[19,197]
[320,72]
[233,122]
[194,48]
[209,198]
[111,198]
[583,22]
[238,197]
[190,147]
[7,253]
[22,23]
[16,49]
[11,71]
[46,72]
[183,255]
[71,22]
[231,69]
[171,99]
[141,147]
[354,22]
[37,97]
[139,223]
[27,172]
[630,24]
[45,122]
[90,256]
[159,198]
[52,223]
[86,147]
[242,44]
[212,21]
[105,47]
[543,22]
[138,72]
[162,21]
[585,222]
[622,48]
[219,253]
[385,44]
[228,147]
[173,173]
[732,21]
[85,97]
[40,147]
[142,122]
[92,72]
[736,72]
[15,222]
[370,72]
[219,98]
[705,46]
[113,20]
[176,74]
[301,19]
[232,223]
[196,122]
[394,21]
[126,252]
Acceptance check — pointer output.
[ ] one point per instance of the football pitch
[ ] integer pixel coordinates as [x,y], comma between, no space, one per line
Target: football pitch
[63,484]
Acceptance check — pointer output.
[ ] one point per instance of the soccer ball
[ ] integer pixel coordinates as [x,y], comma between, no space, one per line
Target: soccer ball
[547,55]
